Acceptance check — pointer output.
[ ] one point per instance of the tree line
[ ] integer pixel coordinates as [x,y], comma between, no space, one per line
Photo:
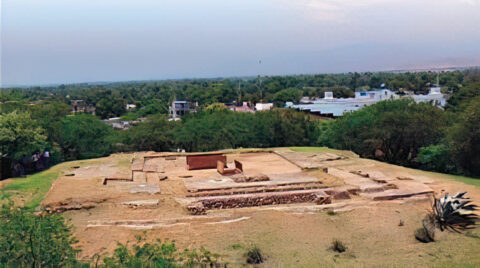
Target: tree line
[153,97]
[400,132]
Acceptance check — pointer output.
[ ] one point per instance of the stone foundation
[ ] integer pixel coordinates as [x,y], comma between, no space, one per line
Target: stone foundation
[260,199]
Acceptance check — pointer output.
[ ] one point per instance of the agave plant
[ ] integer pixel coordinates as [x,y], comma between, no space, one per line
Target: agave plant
[454,213]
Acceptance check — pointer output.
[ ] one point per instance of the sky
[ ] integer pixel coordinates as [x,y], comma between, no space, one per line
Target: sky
[71,41]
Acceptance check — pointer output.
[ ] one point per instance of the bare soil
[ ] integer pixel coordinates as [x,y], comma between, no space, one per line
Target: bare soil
[293,235]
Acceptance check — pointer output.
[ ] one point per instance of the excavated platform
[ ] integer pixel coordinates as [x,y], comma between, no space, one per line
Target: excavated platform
[226,183]
[309,160]
[199,205]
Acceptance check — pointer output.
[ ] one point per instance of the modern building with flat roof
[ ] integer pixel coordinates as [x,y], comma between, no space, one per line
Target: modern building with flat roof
[334,107]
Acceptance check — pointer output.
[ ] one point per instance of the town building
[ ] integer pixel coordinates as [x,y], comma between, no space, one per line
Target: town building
[180,108]
[130,107]
[118,123]
[434,96]
[263,106]
[245,107]
[334,107]
[79,106]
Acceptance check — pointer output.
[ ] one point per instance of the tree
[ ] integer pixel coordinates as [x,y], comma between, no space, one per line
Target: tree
[84,136]
[460,99]
[390,130]
[289,94]
[464,138]
[216,107]
[154,135]
[49,116]
[19,136]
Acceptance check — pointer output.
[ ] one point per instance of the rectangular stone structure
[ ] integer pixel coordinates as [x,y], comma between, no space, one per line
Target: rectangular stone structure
[204,161]
[257,199]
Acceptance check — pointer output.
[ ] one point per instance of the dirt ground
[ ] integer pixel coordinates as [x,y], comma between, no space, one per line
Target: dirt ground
[289,235]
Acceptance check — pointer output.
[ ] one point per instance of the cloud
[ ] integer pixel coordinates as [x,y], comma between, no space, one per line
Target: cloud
[333,10]
[470,2]
[339,11]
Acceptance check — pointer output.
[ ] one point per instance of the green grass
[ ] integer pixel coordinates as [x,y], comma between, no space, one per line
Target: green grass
[466,180]
[236,246]
[32,189]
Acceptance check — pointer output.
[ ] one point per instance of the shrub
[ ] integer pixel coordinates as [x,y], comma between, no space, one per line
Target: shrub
[158,254]
[36,241]
[436,157]
[338,246]
[254,256]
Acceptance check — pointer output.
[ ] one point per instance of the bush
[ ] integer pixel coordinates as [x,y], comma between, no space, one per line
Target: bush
[36,241]
[436,157]
[254,256]
[338,246]
[158,254]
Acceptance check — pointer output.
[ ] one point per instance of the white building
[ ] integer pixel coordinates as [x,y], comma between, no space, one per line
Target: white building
[328,95]
[131,107]
[333,107]
[434,96]
[263,106]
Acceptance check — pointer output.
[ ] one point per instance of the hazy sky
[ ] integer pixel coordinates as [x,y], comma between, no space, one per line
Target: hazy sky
[65,41]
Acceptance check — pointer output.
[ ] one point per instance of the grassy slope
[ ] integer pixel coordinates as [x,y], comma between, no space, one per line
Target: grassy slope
[30,190]
[467,180]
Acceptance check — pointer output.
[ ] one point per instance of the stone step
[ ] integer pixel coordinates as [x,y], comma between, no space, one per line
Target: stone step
[193,186]
[404,189]
[137,163]
[150,203]
[259,189]
[200,205]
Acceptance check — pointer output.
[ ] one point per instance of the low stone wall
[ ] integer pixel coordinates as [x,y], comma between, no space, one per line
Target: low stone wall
[260,199]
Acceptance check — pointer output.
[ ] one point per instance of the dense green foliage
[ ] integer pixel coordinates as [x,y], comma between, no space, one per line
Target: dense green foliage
[36,241]
[416,135]
[46,240]
[19,135]
[159,254]
[217,130]
[212,130]
[400,132]
[389,130]
[84,136]
[464,138]
[153,97]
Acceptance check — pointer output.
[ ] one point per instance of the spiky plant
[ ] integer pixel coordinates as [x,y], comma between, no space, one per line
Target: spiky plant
[454,213]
